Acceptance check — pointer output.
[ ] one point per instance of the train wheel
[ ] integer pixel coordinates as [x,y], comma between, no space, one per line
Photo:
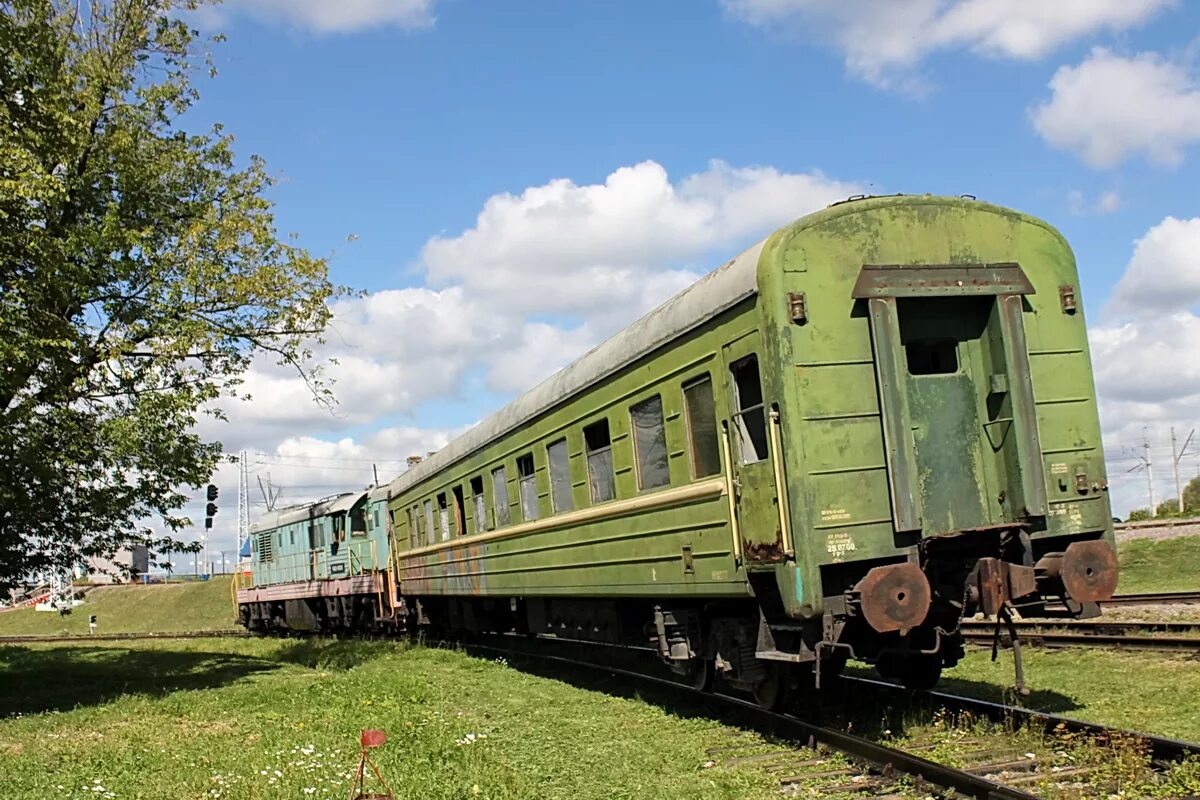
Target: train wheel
[921,672]
[700,674]
[772,691]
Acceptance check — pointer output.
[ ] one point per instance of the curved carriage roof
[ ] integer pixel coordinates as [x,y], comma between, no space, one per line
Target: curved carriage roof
[287,516]
[721,289]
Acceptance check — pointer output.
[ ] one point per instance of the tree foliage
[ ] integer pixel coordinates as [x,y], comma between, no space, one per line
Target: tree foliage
[140,275]
[1170,508]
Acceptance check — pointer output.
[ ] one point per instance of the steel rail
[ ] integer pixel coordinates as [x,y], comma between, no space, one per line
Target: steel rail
[1161,748]
[1152,599]
[1119,635]
[120,637]
[886,758]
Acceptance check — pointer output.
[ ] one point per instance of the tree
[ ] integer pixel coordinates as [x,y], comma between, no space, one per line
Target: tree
[140,275]
[1191,496]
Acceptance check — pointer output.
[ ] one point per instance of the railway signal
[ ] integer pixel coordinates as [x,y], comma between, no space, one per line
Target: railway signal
[210,510]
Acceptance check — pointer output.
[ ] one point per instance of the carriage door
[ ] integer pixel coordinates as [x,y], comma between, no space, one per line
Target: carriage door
[745,439]
[956,397]
[315,542]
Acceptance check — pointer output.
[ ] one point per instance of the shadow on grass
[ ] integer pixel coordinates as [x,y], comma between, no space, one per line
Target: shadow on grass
[62,678]
[334,654]
[1047,700]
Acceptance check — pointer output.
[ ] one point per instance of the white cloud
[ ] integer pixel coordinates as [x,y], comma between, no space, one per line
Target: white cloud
[883,41]
[1079,205]
[1146,354]
[1111,107]
[621,245]
[540,277]
[339,16]
[1164,273]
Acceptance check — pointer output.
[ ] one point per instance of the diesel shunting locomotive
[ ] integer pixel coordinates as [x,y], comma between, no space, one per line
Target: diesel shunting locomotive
[873,423]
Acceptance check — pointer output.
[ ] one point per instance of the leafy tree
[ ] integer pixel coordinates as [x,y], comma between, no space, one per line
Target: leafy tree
[1139,515]
[1191,497]
[140,275]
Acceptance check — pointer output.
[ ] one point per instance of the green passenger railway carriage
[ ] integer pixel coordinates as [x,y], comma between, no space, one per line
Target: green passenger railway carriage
[878,419]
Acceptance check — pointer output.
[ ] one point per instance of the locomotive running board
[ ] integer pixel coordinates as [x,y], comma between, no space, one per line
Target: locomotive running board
[880,285]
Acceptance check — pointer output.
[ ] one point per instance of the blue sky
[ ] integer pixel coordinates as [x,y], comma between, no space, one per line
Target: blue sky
[401,122]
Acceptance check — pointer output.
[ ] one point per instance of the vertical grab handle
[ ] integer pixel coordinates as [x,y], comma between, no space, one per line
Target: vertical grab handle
[727,454]
[781,493]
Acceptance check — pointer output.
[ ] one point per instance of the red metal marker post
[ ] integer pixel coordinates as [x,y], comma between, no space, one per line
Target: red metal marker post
[369,739]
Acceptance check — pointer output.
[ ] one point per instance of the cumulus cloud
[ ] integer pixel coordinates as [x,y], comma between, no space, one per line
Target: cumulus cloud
[1146,351]
[570,249]
[883,41]
[342,16]
[541,277]
[1164,273]
[1111,107]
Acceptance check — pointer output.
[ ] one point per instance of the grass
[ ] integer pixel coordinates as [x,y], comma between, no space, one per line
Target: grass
[275,718]
[1159,565]
[192,606]
[1157,693]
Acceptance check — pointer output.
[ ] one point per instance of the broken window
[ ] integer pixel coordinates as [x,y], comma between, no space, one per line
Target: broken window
[443,517]
[528,487]
[480,506]
[500,497]
[560,476]
[598,444]
[650,443]
[932,356]
[750,419]
[702,427]
[427,533]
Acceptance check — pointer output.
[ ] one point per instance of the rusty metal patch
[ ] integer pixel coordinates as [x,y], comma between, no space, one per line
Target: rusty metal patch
[1090,571]
[895,597]
[933,280]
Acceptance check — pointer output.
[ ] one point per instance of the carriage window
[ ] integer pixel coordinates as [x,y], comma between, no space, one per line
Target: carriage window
[598,444]
[500,497]
[376,525]
[443,517]
[412,527]
[427,534]
[702,427]
[528,484]
[560,476]
[480,507]
[750,417]
[932,357]
[460,512]
[650,443]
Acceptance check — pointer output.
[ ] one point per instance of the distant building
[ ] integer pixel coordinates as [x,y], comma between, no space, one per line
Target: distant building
[117,569]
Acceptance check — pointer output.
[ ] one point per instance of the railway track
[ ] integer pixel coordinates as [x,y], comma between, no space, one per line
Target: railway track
[809,756]
[834,762]
[1176,636]
[1153,599]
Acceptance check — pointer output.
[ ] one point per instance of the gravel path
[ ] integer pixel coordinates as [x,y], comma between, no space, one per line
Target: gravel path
[1158,530]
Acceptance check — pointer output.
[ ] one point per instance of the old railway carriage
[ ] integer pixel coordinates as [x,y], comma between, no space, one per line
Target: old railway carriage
[876,420]
[319,566]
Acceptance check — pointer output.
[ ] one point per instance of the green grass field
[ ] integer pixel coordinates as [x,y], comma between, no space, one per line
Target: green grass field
[171,607]
[259,719]
[1162,565]
[1152,692]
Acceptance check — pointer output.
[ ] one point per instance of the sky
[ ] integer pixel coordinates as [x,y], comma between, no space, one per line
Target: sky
[509,183]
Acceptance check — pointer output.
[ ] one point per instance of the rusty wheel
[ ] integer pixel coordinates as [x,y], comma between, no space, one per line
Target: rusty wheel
[895,597]
[1090,571]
